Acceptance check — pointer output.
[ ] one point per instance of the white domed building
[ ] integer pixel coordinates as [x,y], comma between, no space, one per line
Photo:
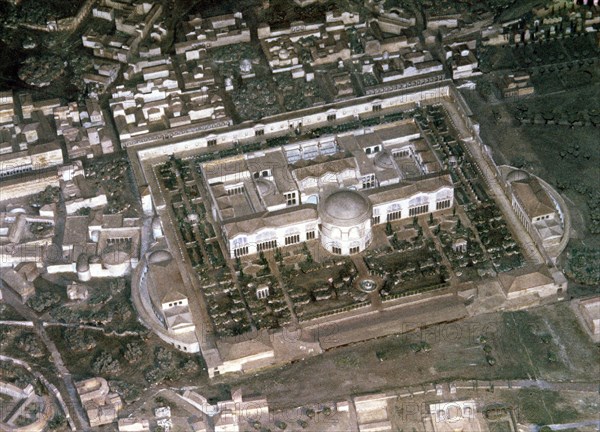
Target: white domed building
[345,222]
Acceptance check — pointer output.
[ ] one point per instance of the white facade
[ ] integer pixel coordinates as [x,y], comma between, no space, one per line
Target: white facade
[334,188]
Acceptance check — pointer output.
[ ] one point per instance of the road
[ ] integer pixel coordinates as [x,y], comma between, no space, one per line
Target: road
[66,384]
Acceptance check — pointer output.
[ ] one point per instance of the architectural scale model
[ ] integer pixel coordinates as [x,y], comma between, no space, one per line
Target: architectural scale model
[354,215]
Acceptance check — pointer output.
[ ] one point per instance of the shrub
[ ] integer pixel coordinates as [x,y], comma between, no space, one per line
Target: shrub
[57,422]
[43,300]
[78,340]
[133,352]
[105,364]
[30,344]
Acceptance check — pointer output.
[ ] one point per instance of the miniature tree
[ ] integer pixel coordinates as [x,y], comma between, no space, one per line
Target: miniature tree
[278,255]
[388,228]
[309,257]
[58,422]
[105,364]
[133,352]
[431,218]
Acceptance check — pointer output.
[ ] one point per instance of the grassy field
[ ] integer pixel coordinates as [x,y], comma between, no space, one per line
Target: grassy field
[7,312]
[565,156]
[23,344]
[541,407]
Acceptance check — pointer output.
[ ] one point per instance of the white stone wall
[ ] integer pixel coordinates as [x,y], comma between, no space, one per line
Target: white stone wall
[405,204]
[278,234]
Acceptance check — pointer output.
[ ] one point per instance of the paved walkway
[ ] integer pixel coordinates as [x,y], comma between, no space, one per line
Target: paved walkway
[438,245]
[275,270]
[556,427]
[363,273]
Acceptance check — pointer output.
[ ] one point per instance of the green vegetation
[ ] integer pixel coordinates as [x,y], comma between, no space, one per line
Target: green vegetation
[58,422]
[256,99]
[583,265]
[41,71]
[321,288]
[47,196]
[129,362]
[115,177]
[43,300]
[36,12]
[108,307]
[9,313]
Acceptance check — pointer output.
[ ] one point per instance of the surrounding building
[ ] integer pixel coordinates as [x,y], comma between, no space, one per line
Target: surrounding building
[590,310]
[133,23]
[25,409]
[159,103]
[84,130]
[163,299]
[527,281]
[456,415]
[535,206]
[516,85]
[462,61]
[101,405]
[205,33]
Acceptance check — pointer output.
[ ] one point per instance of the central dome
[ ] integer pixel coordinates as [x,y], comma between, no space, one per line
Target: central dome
[265,187]
[345,207]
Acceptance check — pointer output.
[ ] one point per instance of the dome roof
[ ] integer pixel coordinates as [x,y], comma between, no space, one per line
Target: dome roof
[516,175]
[384,160]
[159,256]
[345,207]
[265,187]
[114,257]
[83,264]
